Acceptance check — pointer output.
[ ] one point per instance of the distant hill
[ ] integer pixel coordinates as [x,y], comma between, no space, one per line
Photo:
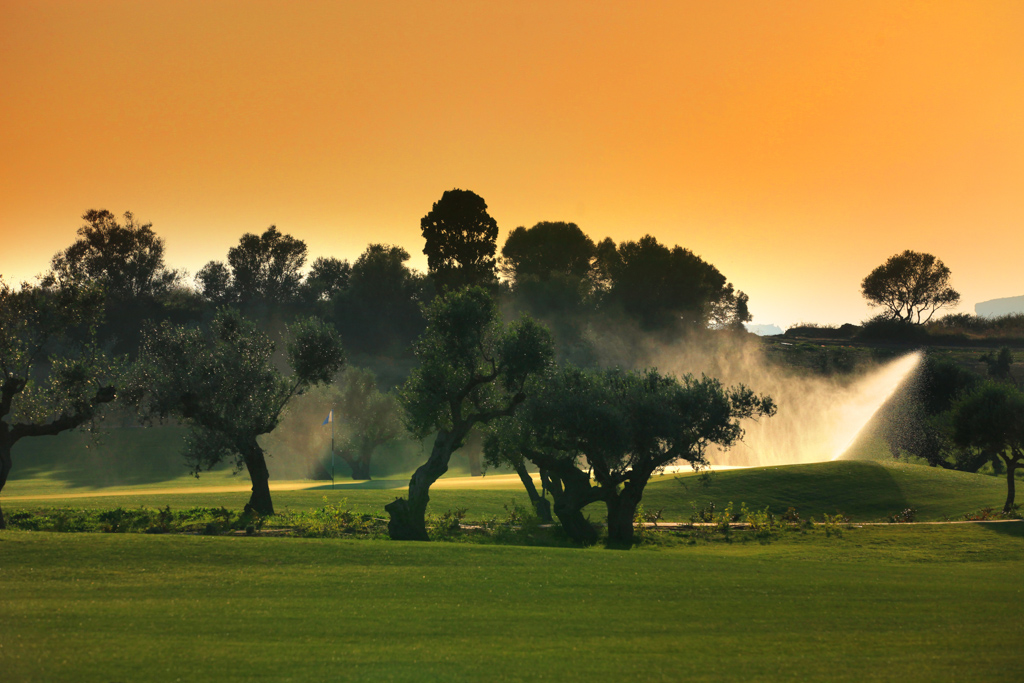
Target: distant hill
[997,307]
[762,330]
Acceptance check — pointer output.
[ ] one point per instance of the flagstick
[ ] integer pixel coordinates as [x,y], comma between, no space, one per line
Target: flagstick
[332,450]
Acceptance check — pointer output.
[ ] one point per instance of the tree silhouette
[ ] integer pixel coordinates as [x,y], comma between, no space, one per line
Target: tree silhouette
[991,420]
[127,259]
[547,249]
[461,239]
[910,286]
[261,269]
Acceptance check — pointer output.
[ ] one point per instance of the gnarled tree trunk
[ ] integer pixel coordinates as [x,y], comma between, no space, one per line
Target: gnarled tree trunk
[572,492]
[541,505]
[256,465]
[408,516]
[622,507]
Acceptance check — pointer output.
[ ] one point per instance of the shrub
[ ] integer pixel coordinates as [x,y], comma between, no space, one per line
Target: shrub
[903,516]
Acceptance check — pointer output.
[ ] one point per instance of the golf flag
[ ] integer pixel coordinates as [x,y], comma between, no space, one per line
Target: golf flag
[329,419]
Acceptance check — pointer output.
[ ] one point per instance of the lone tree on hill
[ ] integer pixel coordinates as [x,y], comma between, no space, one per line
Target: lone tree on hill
[473,369]
[991,420]
[461,238]
[911,287]
[619,428]
[226,388]
[50,383]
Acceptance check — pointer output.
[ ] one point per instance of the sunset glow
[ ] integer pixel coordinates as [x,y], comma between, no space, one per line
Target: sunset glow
[795,145]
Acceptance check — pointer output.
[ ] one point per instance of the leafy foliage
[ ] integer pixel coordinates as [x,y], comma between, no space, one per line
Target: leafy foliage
[49,381]
[619,428]
[910,286]
[126,258]
[261,269]
[991,420]
[226,387]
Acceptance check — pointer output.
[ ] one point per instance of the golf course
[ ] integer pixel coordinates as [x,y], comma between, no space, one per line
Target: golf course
[871,602]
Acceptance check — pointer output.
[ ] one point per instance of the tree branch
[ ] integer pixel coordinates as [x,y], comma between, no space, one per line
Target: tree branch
[65,421]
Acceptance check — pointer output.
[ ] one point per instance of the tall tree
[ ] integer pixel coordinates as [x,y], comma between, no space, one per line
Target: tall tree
[225,386]
[380,309]
[327,278]
[991,420]
[619,428]
[263,269]
[910,287]
[50,382]
[473,369]
[461,239]
[667,288]
[546,249]
[126,258]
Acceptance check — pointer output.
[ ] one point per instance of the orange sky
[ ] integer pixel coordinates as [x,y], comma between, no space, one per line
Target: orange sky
[795,145]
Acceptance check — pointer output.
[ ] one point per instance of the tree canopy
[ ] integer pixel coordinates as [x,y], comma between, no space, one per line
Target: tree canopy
[667,288]
[910,287]
[991,420]
[366,418]
[126,258]
[547,249]
[224,385]
[461,239]
[618,428]
[49,381]
[261,269]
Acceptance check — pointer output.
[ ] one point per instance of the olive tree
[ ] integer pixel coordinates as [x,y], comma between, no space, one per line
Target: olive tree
[224,385]
[473,369]
[367,419]
[601,436]
[991,420]
[51,382]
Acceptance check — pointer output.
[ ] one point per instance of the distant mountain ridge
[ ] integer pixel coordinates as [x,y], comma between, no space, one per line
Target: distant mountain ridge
[994,308]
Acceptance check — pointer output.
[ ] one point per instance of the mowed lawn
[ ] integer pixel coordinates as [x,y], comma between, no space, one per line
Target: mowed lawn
[865,491]
[881,603]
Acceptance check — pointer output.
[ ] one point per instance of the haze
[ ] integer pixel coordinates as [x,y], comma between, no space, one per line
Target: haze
[795,145]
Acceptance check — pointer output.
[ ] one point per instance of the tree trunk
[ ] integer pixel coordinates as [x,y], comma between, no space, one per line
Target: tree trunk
[575,494]
[256,464]
[1011,468]
[5,467]
[622,512]
[360,464]
[408,516]
[541,505]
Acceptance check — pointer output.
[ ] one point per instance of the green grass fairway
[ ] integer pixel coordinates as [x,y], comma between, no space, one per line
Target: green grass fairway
[866,491]
[881,603]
